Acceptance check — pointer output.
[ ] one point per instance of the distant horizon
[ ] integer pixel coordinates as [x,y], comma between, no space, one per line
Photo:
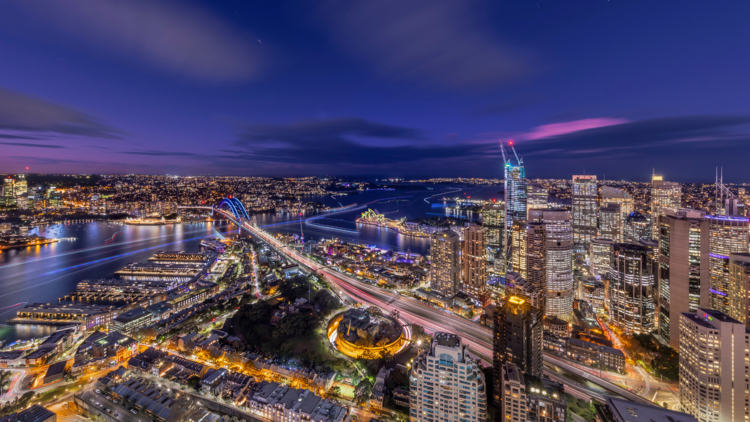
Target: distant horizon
[408,178]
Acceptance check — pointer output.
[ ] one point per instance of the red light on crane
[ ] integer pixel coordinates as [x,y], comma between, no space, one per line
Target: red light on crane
[494,200]
[510,143]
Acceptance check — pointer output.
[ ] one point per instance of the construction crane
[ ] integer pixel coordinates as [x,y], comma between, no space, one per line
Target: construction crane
[301,232]
[722,193]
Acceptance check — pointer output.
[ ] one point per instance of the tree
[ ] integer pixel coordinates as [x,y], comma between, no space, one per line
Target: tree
[295,325]
[363,390]
[335,391]
[193,382]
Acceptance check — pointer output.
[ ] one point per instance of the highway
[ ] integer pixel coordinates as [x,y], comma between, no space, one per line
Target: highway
[431,318]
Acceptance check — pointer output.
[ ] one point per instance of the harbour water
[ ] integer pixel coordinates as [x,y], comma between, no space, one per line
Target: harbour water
[42,274]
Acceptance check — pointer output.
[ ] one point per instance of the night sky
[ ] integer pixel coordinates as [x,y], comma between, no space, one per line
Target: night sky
[398,88]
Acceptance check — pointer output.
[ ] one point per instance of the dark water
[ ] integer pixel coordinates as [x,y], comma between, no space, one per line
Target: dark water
[409,203]
[45,273]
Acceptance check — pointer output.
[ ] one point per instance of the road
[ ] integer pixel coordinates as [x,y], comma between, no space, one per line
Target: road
[431,318]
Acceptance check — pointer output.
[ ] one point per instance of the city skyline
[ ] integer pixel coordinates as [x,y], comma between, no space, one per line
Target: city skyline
[319,90]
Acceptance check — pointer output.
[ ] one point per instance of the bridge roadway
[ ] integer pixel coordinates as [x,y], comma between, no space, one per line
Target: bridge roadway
[432,318]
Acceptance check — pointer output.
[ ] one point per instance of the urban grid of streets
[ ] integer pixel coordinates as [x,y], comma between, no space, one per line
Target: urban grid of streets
[642,387]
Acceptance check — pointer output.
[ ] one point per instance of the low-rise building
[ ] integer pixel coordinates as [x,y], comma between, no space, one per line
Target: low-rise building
[35,413]
[281,403]
[131,321]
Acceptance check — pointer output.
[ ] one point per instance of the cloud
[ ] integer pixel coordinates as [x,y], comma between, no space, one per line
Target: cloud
[164,153]
[173,36]
[23,113]
[21,144]
[557,129]
[661,137]
[434,42]
[342,142]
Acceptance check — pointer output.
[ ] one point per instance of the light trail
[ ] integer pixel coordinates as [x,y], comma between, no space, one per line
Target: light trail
[95,263]
[113,236]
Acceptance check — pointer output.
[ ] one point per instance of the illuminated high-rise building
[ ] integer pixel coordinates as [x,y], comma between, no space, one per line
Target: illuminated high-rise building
[611,195]
[714,366]
[663,195]
[519,247]
[560,281]
[611,222]
[474,263]
[739,287]
[683,276]
[537,197]
[493,221]
[21,186]
[637,227]
[517,333]
[585,206]
[445,270]
[600,253]
[536,257]
[728,235]
[632,288]
[447,380]
[516,194]
[515,285]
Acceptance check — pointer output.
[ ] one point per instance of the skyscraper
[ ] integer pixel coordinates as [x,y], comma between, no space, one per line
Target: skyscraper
[663,195]
[519,247]
[600,252]
[474,264]
[560,282]
[611,195]
[611,222]
[517,339]
[536,258]
[714,366]
[446,383]
[585,205]
[739,287]
[637,227]
[632,288]
[537,197]
[444,265]
[728,235]
[683,276]
[493,221]
[516,194]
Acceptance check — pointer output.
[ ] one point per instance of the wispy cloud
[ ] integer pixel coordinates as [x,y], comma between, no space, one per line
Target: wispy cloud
[23,113]
[437,42]
[21,144]
[174,36]
[164,153]
[558,129]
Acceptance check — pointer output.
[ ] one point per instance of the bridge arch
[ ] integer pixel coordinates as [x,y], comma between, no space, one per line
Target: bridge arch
[236,207]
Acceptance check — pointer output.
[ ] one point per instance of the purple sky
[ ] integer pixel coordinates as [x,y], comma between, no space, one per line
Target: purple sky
[387,88]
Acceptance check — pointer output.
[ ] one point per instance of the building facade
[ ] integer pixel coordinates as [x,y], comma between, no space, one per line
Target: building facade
[585,205]
[560,281]
[493,221]
[632,288]
[536,259]
[728,235]
[445,270]
[663,195]
[611,222]
[517,339]
[519,247]
[739,287]
[714,366]
[446,384]
[474,264]
[683,276]
[516,194]
[637,227]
